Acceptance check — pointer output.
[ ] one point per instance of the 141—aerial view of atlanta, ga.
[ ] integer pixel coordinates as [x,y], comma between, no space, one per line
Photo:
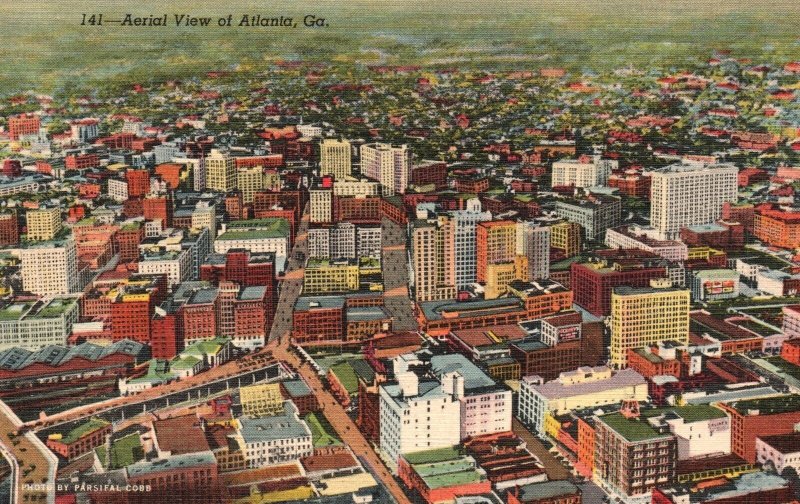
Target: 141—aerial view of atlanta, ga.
[407,252]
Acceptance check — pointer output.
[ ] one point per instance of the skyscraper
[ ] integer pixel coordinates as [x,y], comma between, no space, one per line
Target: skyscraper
[335,158]
[43,223]
[220,171]
[387,164]
[50,268]
[533,241]
[465,253]
[641,316]
[683,195]
[433,259]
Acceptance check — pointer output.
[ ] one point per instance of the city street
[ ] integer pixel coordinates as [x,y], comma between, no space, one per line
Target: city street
[292,284]
[341,422]
[394,241]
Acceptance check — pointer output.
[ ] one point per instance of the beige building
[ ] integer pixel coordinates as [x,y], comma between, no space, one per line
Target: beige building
[220,171]
[335,158]
[583,172]
[324,276]
[248,181]
[586,387]
[50,268]
[642,316]
[389,165]
[321,205]
[566,236]
[43,224]
[433,259]
[262,399]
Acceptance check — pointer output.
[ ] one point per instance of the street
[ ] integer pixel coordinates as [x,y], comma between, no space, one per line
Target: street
[395,276]
[292,283]
[341,422]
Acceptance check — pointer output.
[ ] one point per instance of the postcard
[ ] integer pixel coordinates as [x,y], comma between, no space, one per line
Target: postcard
[353,251]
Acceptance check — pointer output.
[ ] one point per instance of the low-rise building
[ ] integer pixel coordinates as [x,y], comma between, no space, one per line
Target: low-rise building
[583,388]
[274,439]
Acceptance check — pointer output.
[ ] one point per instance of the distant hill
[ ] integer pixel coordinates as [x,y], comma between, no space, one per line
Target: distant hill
[43,46]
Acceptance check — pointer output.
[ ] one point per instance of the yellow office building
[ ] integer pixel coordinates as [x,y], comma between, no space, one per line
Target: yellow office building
[647,315]
[566,236]
[43,224]
[324,276]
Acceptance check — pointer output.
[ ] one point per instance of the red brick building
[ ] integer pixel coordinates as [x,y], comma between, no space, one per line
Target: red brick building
[9,229]
[248,269]
[12,168]
[318,319]
[750,175]
[166,335]
[23,124]
[198,320]
[790,351]
[593,282]
[170,173]
[648,363]
[392,208]
[430,172]
[777,227]
[722,235]
[80,440]
[268,161]
[178,479]
[138,183]
[358,210]
[234,206]
[127,241]
[158,208]
[631,183]
[81,161]
[743,214]
[760,417]
[117,141]
[472,185]
[549,492]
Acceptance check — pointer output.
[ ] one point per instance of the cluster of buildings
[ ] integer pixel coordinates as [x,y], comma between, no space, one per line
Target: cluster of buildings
[470,302]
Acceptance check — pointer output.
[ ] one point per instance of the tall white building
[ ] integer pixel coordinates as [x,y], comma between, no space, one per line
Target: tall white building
[683,195]
[319,244]
[417,415]
[204,215]
[350,186]
[343,241]
[465,252]
[583,172]
[533,242]
[368,241]
[220,171]
[335,158]
[389,165]
[50,268]
[33,325]
[177,265]
[486,408]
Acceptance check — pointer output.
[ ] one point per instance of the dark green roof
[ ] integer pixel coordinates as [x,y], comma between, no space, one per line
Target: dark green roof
[84,429]
[769,405]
